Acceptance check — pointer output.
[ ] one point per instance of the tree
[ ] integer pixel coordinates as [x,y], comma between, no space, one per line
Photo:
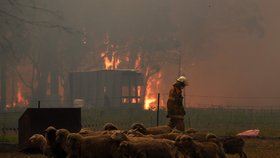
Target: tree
[19,19]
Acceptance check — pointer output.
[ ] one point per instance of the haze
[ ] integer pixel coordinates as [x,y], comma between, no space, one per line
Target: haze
[229,49]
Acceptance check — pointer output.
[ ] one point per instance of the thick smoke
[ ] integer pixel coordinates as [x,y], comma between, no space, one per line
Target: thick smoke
[228,48]
[231,54]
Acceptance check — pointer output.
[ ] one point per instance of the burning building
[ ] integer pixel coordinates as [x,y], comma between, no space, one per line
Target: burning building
[107,88]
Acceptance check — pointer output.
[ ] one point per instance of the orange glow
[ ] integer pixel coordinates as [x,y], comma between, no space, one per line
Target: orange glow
[48,88]
[110,64]
[125,100]
[138,62]
[152,89]
[138,90]
[20,98]
[134,100]
[61,89]
[127,59]
[150,100]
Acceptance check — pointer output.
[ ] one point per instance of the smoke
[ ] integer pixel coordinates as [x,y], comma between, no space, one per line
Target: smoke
[231,55]
[229,48]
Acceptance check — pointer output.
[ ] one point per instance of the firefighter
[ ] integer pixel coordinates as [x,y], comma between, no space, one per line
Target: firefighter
[175,108]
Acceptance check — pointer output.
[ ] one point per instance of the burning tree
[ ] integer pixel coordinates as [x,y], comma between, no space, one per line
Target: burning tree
[140,41]
[21,61]
[139,36]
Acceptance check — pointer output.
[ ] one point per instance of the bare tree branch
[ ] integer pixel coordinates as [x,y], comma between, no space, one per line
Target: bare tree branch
[41,23]
[40,9]
[13,60]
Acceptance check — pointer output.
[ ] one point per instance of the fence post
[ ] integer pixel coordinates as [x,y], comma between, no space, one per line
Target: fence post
[158,108]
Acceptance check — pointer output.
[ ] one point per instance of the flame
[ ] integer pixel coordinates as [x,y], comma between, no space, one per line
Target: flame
[114,62]
[152,89]
[48,88]
[127,59]
[110,64]
[20,98]
[61,89]
[149,98]
[138,62]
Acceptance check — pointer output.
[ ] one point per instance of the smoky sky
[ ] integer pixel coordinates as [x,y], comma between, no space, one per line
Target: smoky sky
[229,48]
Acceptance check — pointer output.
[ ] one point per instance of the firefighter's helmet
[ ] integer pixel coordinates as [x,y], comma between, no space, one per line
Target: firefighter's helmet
[183,80]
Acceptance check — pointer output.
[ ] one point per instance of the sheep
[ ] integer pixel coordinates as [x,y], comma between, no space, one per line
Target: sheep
[151,130]
[40,141]
[134,133]
[234,145]
[191,131]
[85,131]
[61,135]
[170,136]
[139,127]
[104,146]
[200,136]
[74,145]
[188,146]
[144,147]
[56,149]
[109,127]
[213,138]
[159,130]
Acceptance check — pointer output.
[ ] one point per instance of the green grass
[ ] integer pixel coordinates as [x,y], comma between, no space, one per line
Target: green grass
[10,138]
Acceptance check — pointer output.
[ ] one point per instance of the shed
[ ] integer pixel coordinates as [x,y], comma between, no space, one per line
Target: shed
[107,87]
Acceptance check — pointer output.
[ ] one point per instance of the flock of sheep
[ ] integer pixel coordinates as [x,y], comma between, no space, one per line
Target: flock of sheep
[136,142]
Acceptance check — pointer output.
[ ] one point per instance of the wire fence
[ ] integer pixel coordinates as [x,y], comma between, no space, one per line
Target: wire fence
[190,101]
[221,121]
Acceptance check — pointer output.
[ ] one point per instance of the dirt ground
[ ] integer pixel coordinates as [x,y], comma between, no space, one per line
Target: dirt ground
[255,148]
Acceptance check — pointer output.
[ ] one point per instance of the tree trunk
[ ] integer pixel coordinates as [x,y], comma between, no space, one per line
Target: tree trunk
[55,88]
[3,73]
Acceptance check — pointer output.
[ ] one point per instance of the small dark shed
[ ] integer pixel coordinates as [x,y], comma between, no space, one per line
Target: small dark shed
[36,120]
[107,87]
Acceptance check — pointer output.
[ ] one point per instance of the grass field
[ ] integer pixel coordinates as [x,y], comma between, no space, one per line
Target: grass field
[219,121]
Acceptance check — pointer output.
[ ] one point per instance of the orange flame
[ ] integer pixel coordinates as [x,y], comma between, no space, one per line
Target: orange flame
[138,62]
[110,64]
[152,89]
[149,98]
[127,59]
[61,89]
[20,98]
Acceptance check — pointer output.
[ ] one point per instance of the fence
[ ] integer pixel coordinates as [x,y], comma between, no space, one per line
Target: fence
[220,121]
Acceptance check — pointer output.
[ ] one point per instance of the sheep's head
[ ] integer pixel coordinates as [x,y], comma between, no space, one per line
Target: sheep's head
[139,127]
[74,140]
[119,136]
[109,127]
[50,134]
[184,140]
[36,138]
[134,133]
[210,136]
[85,131]
[61,135]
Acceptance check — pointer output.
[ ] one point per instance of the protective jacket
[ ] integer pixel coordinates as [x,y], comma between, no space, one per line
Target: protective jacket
[175,106]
